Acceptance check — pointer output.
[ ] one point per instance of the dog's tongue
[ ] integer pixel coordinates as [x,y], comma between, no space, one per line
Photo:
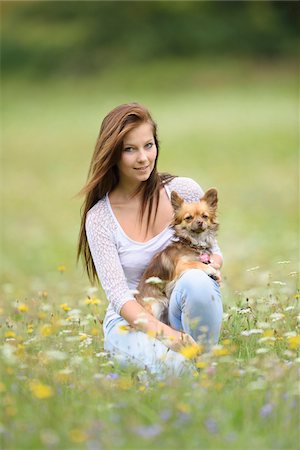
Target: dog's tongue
[205,258]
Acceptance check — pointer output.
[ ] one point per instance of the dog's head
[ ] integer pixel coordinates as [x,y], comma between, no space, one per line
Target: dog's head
[192,219]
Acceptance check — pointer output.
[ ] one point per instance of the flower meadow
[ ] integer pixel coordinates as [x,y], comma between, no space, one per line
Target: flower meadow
[60,389]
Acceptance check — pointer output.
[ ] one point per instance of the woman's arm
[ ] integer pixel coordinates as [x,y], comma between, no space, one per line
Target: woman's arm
[141,320]
[216,263]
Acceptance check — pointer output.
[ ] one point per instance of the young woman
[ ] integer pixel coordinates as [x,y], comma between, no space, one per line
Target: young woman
[125,220]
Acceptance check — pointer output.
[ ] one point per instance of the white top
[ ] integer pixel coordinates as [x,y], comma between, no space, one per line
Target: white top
[119,260]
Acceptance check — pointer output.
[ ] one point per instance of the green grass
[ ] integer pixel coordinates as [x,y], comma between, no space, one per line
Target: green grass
[227,124]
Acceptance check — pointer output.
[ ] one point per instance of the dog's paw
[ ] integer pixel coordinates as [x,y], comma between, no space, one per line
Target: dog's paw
[211,272]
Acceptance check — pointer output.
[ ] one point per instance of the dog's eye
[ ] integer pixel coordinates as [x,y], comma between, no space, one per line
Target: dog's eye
[205,216]
[188,218]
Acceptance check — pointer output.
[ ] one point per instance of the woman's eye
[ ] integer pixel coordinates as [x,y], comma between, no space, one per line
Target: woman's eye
[128,149]
[149,145]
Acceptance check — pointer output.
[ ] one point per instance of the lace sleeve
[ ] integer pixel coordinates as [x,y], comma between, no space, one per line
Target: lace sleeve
[191,192]
[106,259]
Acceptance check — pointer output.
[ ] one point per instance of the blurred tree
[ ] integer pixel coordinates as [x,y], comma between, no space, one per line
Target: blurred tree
[83,36]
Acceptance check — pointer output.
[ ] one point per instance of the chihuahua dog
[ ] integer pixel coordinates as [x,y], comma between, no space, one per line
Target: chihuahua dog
[195,226]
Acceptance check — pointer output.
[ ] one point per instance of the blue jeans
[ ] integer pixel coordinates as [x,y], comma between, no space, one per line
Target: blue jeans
[195,308]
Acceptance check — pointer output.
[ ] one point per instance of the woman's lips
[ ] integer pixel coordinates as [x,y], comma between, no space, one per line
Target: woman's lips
[141,168]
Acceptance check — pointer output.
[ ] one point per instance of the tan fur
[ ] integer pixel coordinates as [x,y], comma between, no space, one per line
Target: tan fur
[195,225]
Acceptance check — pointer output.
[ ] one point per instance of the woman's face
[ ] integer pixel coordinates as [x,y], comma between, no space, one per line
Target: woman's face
[138,154]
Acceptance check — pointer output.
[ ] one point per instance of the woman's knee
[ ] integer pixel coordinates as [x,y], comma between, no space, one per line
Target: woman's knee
[197,286]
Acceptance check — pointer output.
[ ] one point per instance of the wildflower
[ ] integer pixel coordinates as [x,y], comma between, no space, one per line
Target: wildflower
[40,390]
[219,350]
[148,431]
[46,330]
[262,350]
[65,307]
[244,311]
[276,316]
[266,410]
[77,436]
[92,301]
[191,351]
[23,308]
[29,328]
[252,331]
[201,364]
[10,334]
[61,268]
[124,383]
[95,331]
[294,342]
[211,426]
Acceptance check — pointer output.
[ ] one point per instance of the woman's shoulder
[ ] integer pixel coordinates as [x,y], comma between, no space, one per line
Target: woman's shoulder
[187,188]
[99,215]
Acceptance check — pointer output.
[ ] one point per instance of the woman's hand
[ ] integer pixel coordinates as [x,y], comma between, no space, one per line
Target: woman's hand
[177,340]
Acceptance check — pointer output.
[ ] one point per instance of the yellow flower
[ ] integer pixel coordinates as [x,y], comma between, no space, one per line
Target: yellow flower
[201,364]
[83,337]
[218,350]
[294,342]
[77,436]
[65,307]
[10,334]
[191,351]
[124,383]
[268,333]
[46,330]
[61,268]
[29,329]
[183,407]
[92,301]
[95,331]
[40,390]
[23,308]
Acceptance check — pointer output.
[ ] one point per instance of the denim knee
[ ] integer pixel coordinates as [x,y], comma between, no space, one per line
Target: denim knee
[197,286]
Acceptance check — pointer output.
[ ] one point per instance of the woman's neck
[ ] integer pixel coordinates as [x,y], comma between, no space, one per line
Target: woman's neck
[125,193]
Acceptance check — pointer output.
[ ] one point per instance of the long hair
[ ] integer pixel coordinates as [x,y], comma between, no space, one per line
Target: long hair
[103,174]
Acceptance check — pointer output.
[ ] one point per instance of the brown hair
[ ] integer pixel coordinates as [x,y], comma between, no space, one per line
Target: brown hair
[103,174]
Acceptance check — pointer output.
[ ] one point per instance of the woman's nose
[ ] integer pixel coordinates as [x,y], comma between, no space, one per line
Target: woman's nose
[142,155]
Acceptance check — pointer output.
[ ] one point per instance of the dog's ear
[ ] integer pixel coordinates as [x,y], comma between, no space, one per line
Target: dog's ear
[211,197]
[176,200]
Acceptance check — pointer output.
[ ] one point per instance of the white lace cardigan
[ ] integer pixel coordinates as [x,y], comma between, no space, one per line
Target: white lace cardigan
[119,260]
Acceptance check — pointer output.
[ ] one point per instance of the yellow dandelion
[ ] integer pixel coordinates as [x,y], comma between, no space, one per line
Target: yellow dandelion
[10,334]
[77,436]
[46,330]
[201,364]
[83,337]
[183,407]
[218,350]
[42,315]
[23,308]
[191,351]
[40,390]
[61,268]
[268,333]
[294,342]
[124,383]
[95,331]
[92,301]
[65,307]
[29,329]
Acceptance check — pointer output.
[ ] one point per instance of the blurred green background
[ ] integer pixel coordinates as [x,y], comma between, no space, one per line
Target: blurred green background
[221,80]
